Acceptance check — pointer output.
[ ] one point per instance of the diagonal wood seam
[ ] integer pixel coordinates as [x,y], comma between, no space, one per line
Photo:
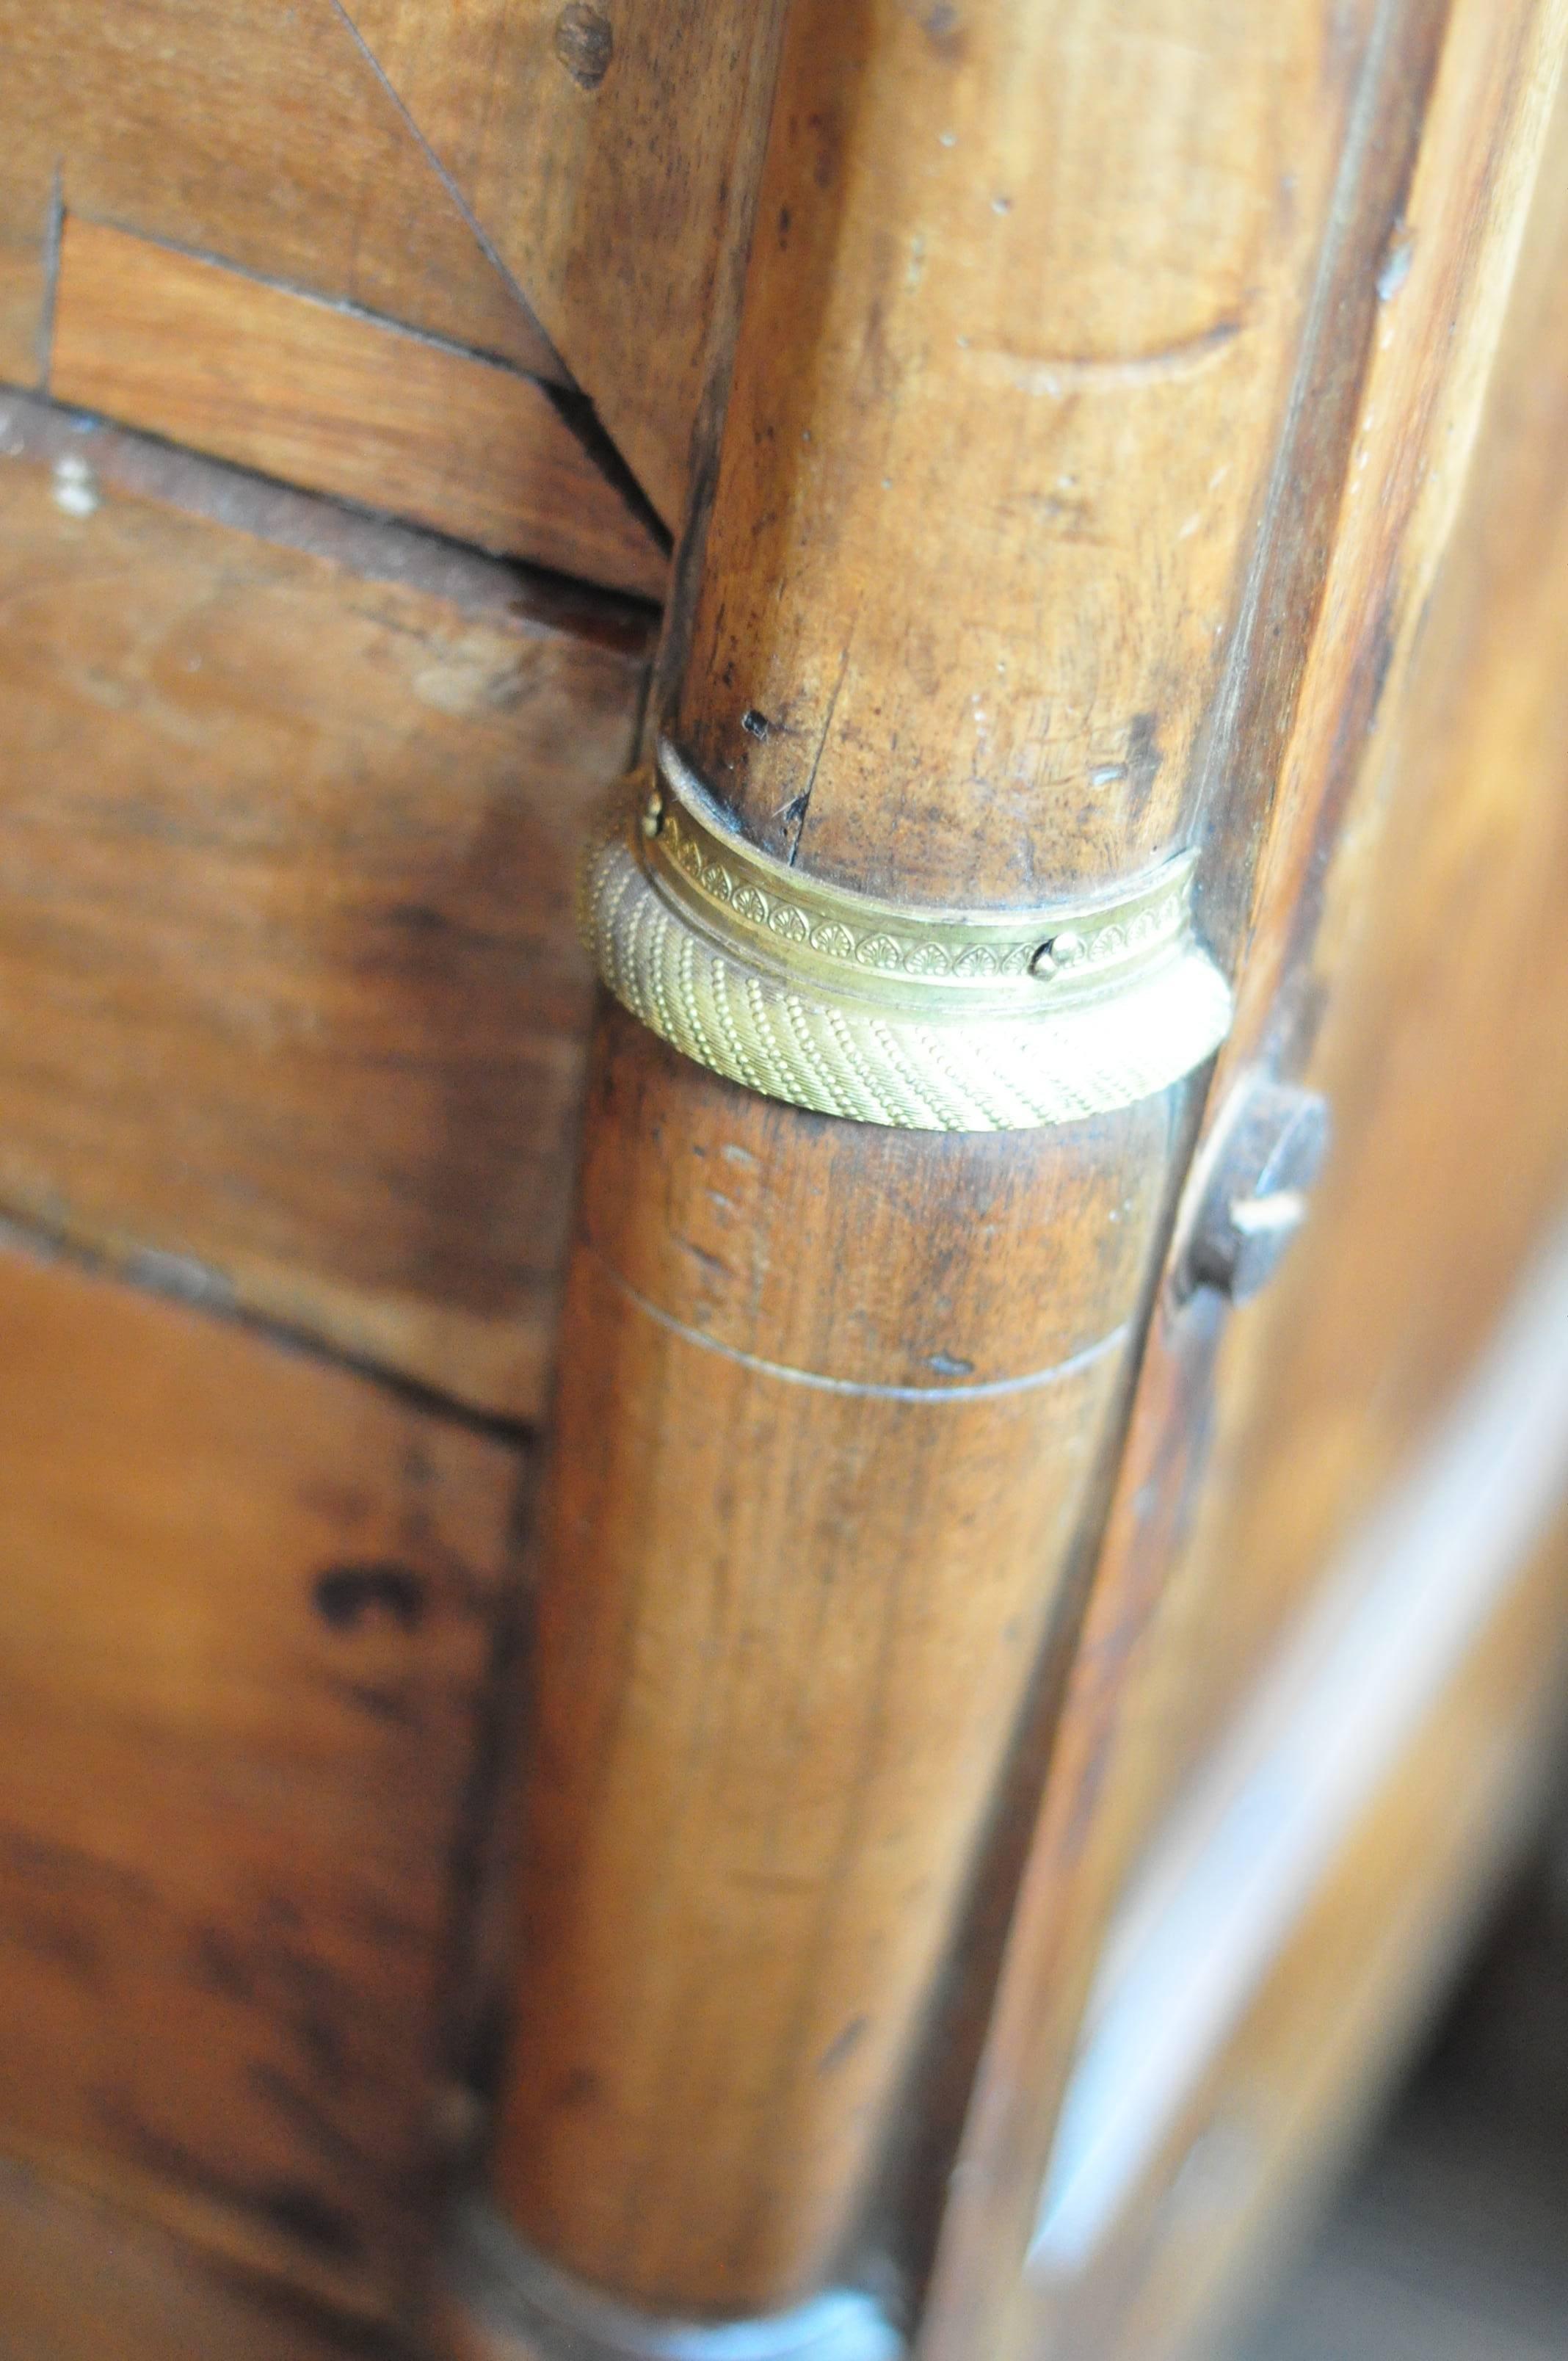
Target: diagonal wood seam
[580,415]
[486,243]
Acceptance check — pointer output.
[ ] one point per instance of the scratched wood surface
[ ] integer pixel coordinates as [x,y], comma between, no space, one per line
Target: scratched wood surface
[286,858]
[339,403]
[244,1634]
[1326,1381]
[806,1543]
[290,991]
[985,555]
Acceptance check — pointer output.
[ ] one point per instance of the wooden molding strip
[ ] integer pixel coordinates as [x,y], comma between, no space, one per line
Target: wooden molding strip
[1247,1850]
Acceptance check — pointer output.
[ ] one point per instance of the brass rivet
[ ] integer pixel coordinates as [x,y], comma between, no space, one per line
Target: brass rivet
[1063,950]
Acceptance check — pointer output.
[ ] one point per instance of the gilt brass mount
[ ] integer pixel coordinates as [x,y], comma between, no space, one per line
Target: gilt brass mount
[884,1012]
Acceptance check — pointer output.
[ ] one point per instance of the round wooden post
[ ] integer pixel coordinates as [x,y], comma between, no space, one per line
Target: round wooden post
[836,1393]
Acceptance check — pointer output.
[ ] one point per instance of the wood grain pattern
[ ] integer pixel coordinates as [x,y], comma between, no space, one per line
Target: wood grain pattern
[444,168]
[666,2134]
[264,137]
[980,551]
[29,214]
[827,1428]
[1454,829]
[337,402]
[1450,821]
[244,1631]
[74,2269]
[620,201]
[1296,2083]
[1318,1373]
[290,994]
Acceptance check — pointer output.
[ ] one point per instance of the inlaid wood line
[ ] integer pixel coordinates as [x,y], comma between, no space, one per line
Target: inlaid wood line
[334,395]
[984,1390]
[344,305]
[199,1288]
[482,236]
[52,238]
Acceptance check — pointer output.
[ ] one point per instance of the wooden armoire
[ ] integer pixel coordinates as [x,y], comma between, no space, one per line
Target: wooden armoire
[783,1151]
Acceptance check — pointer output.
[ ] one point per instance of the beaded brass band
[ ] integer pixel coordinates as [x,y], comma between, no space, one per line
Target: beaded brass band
[933,1020]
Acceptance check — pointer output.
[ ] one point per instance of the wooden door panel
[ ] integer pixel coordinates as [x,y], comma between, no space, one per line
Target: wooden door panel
[291,989]
[245,1626]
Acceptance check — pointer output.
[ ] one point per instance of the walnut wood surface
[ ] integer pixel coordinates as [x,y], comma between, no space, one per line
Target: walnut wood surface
[1326,1381]
[266,136]
[460,170]
[1282,2107]
[889,557]
[290,985]
[1107,385]
[978,552]
[76,2271]
[245,1632]
[826,1429]
[338,402]
[1450,822]
[1456,833]
[613,172]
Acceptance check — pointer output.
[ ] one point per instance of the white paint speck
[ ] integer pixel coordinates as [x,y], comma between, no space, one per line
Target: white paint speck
[1396,265]
[75,486]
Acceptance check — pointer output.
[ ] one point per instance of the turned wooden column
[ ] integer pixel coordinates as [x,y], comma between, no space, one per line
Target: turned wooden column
[837,1395]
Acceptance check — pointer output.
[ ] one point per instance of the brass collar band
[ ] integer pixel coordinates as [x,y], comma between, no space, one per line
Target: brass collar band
[933,1020]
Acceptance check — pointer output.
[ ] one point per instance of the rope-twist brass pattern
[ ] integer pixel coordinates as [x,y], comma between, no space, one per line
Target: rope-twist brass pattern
[933,1020]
